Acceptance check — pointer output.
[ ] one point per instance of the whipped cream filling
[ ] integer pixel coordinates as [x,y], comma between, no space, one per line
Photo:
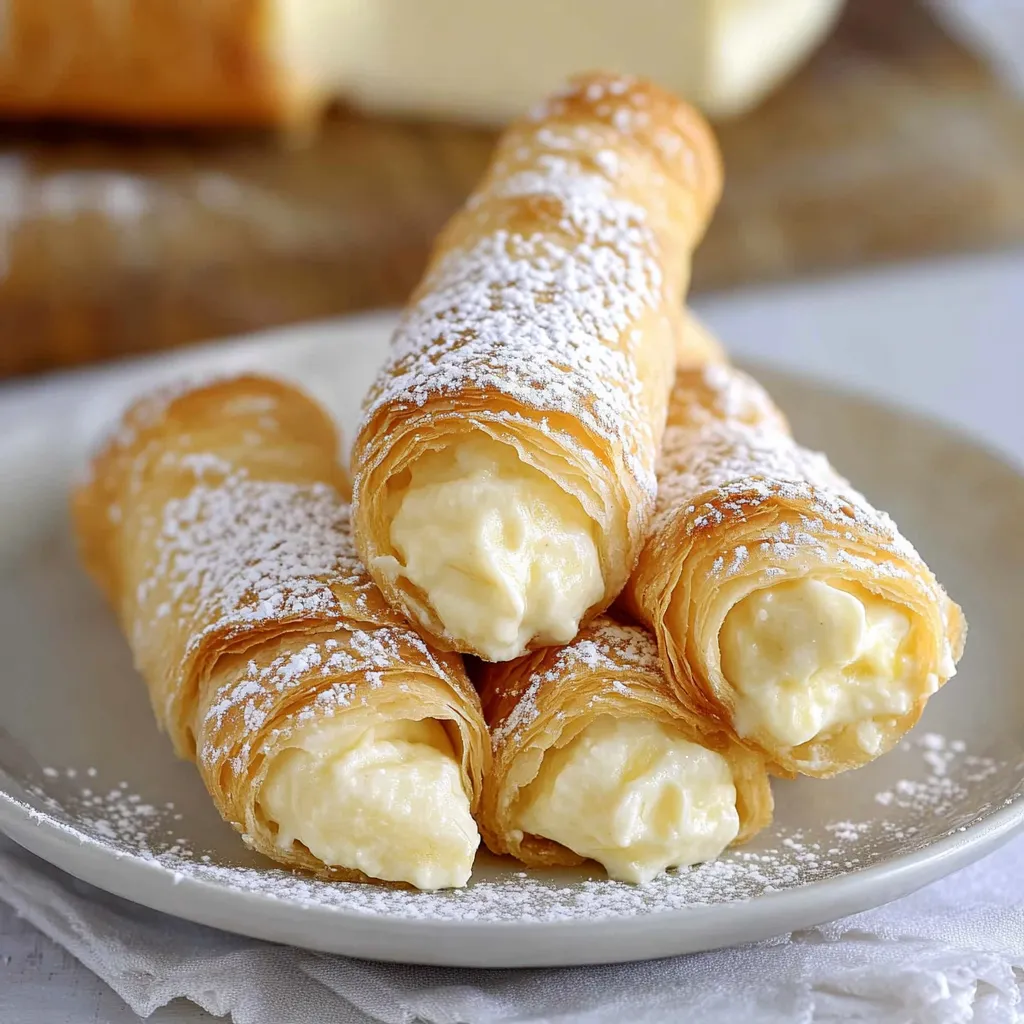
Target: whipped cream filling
[807,658]
[635,796]
[504,555]
[388,801]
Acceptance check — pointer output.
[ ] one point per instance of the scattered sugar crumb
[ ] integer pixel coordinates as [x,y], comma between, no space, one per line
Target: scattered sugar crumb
[929,806]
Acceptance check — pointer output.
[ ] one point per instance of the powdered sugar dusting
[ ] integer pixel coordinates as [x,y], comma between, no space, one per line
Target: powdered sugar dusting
[734,396]
[537,318]
[333,674]
[145,411]
[728,455]
[929,806]
[237,551]
[731,461]
[559,262]
[603,647]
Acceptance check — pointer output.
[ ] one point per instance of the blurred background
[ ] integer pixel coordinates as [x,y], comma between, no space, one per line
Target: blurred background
[177,170]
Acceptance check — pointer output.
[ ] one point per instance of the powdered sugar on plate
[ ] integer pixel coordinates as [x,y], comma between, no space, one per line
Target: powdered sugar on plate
[935,801]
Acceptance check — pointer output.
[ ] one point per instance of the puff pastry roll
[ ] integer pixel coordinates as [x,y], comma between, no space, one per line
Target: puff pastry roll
[785,606]
[595,758]
[326,730]
[504,468]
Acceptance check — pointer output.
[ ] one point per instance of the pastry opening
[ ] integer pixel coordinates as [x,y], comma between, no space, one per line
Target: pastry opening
[506,558]
[635,795]
[388,800]
[808,658]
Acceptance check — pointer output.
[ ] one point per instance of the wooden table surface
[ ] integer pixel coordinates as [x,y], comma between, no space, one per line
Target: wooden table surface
[891,143]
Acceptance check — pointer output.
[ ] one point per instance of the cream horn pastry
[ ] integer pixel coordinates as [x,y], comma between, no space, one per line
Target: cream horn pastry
[595,758]
[785,606]
[326,730]
[504,468]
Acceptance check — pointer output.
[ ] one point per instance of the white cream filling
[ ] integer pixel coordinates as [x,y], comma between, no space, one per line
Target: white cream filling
[388,801]
[635,796]
[806,657]
[504,555]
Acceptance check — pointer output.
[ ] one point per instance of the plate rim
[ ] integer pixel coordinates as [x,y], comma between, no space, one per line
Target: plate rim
[392,938]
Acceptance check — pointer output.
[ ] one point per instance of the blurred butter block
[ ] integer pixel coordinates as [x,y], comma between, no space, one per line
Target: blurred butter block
[280,61]
[488,60]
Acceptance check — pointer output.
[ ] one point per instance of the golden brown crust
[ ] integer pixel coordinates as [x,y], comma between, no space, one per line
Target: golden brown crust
[543,700]
[215,519]
[698,347]
[550,319]
[742,507]
[161,62]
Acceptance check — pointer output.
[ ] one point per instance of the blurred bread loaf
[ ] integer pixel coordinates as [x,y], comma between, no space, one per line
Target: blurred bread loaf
[169,61]
[281,61]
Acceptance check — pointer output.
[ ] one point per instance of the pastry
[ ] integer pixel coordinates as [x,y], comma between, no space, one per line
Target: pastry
[595,758]
[504,468]
[326,730]
[785,606]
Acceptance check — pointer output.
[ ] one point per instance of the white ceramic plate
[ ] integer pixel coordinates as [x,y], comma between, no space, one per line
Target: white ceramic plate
[87,783]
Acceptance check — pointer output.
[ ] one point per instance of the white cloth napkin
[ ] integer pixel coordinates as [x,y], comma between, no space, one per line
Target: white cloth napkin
[952,953]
